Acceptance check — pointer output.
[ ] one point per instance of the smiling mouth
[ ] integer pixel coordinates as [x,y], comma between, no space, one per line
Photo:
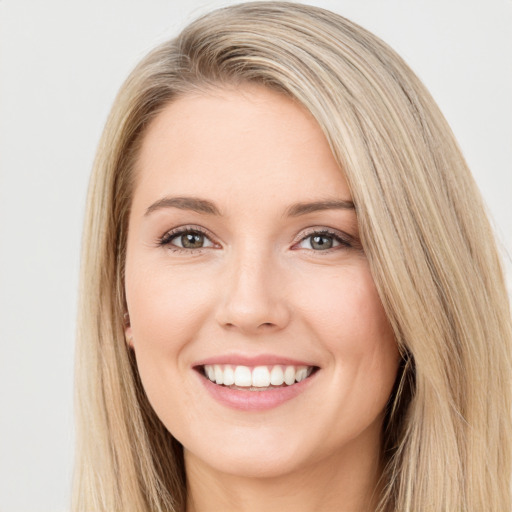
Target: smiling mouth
[257,378]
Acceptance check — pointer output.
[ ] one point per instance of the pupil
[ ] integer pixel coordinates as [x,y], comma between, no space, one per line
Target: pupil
[321,242]
[192,240]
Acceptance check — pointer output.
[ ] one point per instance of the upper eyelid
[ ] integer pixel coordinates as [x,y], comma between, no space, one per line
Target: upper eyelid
[323,231]
[187,228]
[346,240]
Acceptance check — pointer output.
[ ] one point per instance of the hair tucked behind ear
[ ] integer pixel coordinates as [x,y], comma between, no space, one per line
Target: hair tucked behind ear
[424,231]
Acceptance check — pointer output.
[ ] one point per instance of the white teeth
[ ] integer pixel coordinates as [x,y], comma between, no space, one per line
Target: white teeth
[256,377]
[301,374]
[289,375]
[276,376]
[219,374]
[261,377]
[243,376]
[229,376]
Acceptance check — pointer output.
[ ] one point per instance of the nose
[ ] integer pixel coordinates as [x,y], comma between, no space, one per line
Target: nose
[253,297]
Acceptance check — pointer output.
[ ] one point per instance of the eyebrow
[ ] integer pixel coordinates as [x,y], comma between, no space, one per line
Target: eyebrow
[204,206]
[304,208]
[185,203]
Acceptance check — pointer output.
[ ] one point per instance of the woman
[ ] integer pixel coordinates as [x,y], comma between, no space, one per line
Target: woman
[291,293]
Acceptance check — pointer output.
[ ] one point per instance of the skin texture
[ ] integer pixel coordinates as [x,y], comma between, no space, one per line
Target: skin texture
[257,287]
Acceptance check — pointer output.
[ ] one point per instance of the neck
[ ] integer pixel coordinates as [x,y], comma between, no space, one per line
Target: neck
[346,481]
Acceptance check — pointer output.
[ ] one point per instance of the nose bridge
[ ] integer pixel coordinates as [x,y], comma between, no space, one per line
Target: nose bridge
[253,300]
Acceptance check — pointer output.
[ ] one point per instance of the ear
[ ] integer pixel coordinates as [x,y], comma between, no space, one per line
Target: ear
[128,336]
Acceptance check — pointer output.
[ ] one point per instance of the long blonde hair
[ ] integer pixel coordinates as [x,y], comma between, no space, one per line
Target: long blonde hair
[423,227]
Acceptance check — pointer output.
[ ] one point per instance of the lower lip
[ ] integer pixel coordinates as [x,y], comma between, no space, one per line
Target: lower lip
[255,400]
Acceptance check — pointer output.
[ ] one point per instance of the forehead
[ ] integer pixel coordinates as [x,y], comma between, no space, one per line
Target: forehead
[244,142]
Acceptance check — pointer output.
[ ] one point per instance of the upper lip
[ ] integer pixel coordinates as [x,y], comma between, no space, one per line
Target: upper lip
[252,360]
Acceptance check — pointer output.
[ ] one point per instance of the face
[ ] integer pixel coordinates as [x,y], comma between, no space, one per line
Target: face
[259,336]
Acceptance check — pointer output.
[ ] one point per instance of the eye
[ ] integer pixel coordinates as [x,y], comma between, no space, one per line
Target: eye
[186,239]
[322,241]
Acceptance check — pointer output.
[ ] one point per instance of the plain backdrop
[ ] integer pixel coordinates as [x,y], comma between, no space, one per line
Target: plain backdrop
[61,63]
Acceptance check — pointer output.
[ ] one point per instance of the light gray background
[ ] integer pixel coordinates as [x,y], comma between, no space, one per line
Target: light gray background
[61,63]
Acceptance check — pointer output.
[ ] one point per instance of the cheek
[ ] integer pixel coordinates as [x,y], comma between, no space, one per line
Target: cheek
[346,308]
[370,337]
[347,316]
[165,306]
[165,310]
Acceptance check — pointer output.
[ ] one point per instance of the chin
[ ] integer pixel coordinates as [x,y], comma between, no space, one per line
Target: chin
[265,454]
[253,464]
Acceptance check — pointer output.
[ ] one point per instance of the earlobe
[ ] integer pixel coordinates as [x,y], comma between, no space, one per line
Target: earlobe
[128,336]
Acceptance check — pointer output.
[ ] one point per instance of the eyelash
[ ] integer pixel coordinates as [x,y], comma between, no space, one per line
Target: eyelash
[344,241]
[166,239]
